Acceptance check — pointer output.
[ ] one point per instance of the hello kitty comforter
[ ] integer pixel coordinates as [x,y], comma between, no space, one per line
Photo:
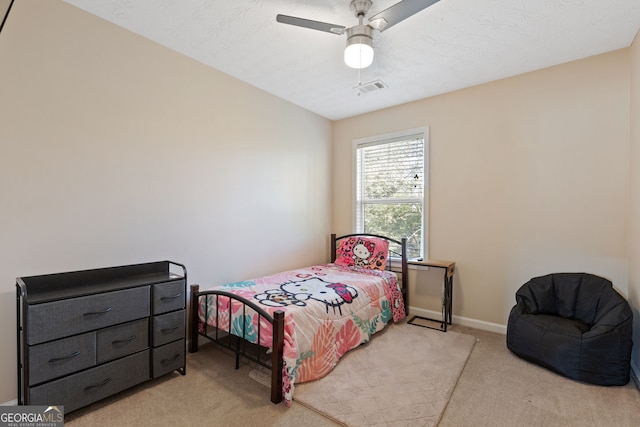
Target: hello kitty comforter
[329,309]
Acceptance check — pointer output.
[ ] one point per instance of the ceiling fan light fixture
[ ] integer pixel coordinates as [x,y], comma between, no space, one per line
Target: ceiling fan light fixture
[359,53]
[359,50]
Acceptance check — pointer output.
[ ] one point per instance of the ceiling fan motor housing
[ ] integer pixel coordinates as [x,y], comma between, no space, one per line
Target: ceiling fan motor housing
[358,31]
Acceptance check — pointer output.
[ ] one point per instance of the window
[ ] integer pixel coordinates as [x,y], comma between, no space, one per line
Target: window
[391,187]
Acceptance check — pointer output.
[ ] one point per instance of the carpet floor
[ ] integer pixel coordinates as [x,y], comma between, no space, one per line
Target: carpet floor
[404,376]
[496,389]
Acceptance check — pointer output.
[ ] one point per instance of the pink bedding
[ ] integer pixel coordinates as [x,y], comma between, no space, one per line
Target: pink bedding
[329,310]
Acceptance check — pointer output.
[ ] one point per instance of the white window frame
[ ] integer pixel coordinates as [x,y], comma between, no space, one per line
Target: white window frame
[388,138]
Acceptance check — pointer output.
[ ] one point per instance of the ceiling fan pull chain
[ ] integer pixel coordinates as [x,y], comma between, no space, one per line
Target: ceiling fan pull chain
[359,82]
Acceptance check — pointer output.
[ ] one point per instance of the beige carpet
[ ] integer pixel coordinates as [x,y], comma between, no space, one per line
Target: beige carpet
[403,377]
[496,389]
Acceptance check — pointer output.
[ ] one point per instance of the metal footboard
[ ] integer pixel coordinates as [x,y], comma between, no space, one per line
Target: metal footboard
[239,343]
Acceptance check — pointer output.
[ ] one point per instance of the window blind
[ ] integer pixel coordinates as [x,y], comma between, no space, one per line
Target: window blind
[390,180]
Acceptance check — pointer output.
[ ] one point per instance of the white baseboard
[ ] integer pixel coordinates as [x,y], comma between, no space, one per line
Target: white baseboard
[464,321]
[13,402]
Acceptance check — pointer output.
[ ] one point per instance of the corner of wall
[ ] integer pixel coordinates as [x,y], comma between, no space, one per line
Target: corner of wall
[634,195]
[635,374]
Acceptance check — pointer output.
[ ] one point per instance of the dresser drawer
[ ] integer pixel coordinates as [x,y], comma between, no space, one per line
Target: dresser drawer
[168,296]
[89,386]
[58,358]
[168,358]
[168,327]
[52,320]
[118,341]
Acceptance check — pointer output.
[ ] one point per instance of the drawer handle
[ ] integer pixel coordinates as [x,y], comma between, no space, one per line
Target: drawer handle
[96,313]
[171,328]
[100,384]
[126,340]
[60,359]
[178,295]
[166,362]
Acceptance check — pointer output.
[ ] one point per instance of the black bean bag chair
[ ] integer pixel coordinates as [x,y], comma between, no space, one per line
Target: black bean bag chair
[575,324]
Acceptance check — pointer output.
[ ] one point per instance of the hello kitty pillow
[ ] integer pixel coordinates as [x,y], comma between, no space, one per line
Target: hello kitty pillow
[364,252]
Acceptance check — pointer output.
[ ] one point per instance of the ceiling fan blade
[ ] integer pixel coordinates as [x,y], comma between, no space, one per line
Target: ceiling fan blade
[398,12]
[314,25]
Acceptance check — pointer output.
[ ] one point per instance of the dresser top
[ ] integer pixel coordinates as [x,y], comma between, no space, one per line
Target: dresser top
[53,287]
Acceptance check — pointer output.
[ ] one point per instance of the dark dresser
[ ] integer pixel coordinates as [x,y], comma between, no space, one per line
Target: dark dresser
[85,335]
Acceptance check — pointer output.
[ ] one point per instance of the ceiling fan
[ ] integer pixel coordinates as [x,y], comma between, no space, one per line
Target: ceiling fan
[359,50]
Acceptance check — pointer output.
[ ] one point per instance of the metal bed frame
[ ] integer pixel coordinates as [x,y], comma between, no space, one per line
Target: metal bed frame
[241,347]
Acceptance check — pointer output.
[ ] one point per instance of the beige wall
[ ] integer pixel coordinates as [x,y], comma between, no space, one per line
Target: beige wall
[528,176]
[634,214]
[114,150]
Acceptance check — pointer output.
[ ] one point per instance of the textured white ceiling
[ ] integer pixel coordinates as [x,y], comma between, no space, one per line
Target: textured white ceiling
[451,45]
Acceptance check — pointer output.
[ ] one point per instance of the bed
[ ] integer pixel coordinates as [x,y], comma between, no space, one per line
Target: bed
[299,323]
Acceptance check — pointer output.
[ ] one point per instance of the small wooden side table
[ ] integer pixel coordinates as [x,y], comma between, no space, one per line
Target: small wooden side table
[447,299]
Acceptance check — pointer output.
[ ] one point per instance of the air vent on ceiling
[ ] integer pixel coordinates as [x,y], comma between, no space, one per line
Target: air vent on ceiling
[370,87]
